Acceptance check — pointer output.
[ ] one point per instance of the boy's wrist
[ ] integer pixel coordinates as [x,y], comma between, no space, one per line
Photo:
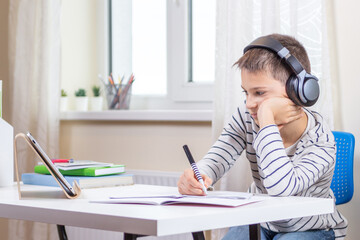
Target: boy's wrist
[265,116]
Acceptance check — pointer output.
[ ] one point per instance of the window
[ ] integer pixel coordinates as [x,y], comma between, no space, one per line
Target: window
[202,40]
[170,48]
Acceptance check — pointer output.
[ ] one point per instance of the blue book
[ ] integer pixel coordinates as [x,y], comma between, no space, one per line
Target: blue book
[83,181]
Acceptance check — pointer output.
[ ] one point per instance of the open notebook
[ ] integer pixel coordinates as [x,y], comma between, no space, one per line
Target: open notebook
[217,198]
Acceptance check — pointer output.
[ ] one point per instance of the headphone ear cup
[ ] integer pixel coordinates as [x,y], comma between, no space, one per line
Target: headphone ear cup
[292,90]
[311,90]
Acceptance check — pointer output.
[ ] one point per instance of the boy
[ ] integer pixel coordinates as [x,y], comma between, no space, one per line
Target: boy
[291,150]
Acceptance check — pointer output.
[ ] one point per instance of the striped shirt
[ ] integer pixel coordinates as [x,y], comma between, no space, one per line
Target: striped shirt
[303,169]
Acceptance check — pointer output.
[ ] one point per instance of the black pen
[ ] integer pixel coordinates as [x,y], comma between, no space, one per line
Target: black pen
[194,167]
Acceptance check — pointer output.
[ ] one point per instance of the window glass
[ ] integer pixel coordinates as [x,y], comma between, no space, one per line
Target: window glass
[203,40]
[149,46]
[139,42]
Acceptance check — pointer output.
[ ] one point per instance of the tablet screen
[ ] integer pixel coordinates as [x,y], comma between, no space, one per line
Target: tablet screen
[56,173]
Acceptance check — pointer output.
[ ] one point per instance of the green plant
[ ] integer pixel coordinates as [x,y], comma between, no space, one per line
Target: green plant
[80,92]
[63,93]
[96,91]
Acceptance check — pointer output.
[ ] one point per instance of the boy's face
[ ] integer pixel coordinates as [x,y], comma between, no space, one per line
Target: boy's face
[258,87]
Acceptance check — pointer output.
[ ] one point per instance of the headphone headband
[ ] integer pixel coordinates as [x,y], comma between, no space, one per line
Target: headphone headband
[276,47]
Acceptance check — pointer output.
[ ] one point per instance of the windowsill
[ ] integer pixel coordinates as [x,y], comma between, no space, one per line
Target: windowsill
[139,115]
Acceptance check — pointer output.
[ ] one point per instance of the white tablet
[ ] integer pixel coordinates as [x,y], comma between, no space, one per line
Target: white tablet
[52,168]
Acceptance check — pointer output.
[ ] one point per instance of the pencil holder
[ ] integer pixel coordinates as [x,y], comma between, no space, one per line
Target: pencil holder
[118,97]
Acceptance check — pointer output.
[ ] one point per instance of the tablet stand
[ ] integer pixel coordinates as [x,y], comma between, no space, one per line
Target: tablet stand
[22,135]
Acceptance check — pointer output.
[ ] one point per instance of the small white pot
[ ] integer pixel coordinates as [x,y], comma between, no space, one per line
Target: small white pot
[64,101]
[81,103]
[96,104]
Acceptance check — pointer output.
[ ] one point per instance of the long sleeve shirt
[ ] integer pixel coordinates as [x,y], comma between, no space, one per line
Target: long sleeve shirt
[303,169]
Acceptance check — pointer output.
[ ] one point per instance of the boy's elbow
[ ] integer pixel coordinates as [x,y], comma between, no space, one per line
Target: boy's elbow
[284,187]
[277,193]
[282,191]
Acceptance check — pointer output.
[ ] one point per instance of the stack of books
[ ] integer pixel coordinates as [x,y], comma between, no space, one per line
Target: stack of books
[88,174]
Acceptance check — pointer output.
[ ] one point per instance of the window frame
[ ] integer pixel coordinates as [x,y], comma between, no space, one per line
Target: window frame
[179,64]
[181,93]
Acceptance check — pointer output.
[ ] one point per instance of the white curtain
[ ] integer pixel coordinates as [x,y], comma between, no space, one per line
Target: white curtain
[238,23]
[34,54]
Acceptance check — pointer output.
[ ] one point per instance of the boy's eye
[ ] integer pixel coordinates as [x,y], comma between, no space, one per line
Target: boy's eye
[259,93]
[246,93]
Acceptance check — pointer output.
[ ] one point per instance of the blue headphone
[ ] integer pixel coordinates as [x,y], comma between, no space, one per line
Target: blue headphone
[301,87]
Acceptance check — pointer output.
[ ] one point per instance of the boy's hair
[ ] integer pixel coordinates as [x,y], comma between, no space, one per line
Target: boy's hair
[260,59]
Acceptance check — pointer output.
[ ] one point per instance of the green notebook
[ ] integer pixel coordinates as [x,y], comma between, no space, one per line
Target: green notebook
[90,171]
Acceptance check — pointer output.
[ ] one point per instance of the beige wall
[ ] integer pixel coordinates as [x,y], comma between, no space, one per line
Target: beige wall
[4,75]
[138,145]
[4,63]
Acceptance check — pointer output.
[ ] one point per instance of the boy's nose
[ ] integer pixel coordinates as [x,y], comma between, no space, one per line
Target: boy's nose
[250,103]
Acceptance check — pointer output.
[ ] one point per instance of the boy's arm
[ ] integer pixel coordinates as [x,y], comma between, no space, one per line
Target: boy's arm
[227,149]
[282,176]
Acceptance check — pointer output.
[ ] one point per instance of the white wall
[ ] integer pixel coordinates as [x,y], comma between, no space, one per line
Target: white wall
[79,41]
[348,37]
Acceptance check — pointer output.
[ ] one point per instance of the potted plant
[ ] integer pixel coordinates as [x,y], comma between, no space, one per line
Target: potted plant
[63,101]
[96,102]
[81,100]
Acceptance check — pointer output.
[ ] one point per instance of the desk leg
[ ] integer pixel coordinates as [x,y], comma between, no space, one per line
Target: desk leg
[130,236]
[198,236]
[62,232]
[254,231]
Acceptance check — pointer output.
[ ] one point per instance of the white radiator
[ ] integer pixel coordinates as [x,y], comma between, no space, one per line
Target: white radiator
[140,177]
[155,177]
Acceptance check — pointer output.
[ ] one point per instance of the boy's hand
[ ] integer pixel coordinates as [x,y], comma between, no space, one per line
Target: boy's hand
[279,111]
[189,185]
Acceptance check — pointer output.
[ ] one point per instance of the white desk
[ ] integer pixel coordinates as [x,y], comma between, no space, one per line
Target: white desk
[49,205]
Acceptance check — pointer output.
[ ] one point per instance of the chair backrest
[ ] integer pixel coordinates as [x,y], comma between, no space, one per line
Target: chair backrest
[343,182]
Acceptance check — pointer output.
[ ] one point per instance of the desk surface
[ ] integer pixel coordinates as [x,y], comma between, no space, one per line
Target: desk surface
[49,205]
